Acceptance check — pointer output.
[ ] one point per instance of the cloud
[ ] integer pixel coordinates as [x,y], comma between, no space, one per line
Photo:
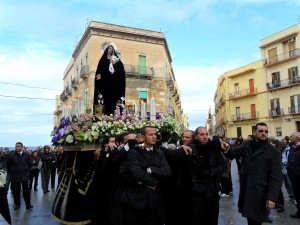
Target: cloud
[37,64]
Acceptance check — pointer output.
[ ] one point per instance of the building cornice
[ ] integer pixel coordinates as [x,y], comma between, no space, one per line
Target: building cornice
[242,73]
[282,39]
[121,32]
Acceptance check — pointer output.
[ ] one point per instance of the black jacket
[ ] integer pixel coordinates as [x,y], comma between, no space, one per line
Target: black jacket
[18,166]
[293,164]
[260,177]
[205,166]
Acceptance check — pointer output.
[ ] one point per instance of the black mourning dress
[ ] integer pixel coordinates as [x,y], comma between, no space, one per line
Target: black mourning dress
[111,85]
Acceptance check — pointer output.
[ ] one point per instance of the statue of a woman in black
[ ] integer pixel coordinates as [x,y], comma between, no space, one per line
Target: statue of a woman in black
[109,81]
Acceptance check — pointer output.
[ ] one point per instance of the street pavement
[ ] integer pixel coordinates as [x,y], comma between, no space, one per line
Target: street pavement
[41,212]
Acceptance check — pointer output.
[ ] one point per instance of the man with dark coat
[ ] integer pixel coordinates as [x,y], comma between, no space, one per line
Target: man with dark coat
[293,168]
[260,177]
[200,180]
[146,165]
[109,81]
[18,164]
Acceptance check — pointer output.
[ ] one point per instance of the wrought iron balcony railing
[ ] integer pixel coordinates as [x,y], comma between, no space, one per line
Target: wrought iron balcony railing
[245,116]
[242,93]
[276,112]
[276,84]
[294,110]
[84,72]
[63,95]
[281,57]
[75,83]
[139,71]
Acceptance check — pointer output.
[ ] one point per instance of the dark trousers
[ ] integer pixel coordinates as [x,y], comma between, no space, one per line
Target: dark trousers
[226,185]
[53,174]
[288,185]
[45,175]
[16,188]
[145,216]
[253,222]
[33,176]
[205,210]
[280,200]
[296,189]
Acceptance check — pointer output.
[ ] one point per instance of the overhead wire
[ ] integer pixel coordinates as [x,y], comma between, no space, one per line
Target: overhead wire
[22,85]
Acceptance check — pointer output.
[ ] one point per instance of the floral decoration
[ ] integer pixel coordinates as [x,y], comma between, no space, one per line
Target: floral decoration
[86,128]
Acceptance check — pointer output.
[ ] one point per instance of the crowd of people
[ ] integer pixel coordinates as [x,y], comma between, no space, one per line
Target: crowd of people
[23,168]
[140,179]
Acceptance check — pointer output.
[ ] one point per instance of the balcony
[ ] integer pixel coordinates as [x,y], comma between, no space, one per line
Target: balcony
[221,101]
[68,91]
[84,72]
[75,83]
[245,116]
[279,84]
[63,95]
[294,110]
[59,110]
[139,71]
[243,93]
[274,60]
[276,112]
[222,120]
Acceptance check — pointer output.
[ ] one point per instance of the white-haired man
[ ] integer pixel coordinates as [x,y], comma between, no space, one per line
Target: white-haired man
[293,168]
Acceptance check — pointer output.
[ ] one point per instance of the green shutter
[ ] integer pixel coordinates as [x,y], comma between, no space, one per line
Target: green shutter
[142,64]
[143,94]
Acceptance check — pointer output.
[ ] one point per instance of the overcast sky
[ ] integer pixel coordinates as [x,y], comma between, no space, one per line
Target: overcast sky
[206,39]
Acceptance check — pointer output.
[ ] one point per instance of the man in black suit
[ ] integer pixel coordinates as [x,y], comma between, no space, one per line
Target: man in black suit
[18,164]
[146,165]
[260,177]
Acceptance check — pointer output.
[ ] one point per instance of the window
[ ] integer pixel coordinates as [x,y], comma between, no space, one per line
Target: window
[275,107]
[87,59]
[142,64]
[251,85]
[272,53]
[238,113]
[275,79]
[295,102]
[236,89]
[239,132]
[253,111]
[293,73]
[86,99]
[278,131]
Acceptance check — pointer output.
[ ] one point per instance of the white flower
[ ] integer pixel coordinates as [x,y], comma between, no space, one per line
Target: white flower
[69,139]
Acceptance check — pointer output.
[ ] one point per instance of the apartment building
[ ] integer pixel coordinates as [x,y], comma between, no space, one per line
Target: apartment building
[280,58]
[148,67]
[263,91]
[240,100]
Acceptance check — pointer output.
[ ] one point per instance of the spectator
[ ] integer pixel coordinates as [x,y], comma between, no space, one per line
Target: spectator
[47,159]
[34,171]
[18,164]
[293,168]
[286,179]
[260,177]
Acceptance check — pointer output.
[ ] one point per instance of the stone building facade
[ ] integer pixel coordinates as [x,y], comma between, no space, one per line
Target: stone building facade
[148,67]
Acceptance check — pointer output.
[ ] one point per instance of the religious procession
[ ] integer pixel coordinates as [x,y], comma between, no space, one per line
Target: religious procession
[120,167]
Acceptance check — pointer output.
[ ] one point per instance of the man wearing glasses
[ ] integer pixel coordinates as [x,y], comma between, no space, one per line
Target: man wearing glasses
[260,178]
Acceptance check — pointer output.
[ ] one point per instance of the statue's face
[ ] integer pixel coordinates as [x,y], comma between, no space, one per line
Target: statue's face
[110,50]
